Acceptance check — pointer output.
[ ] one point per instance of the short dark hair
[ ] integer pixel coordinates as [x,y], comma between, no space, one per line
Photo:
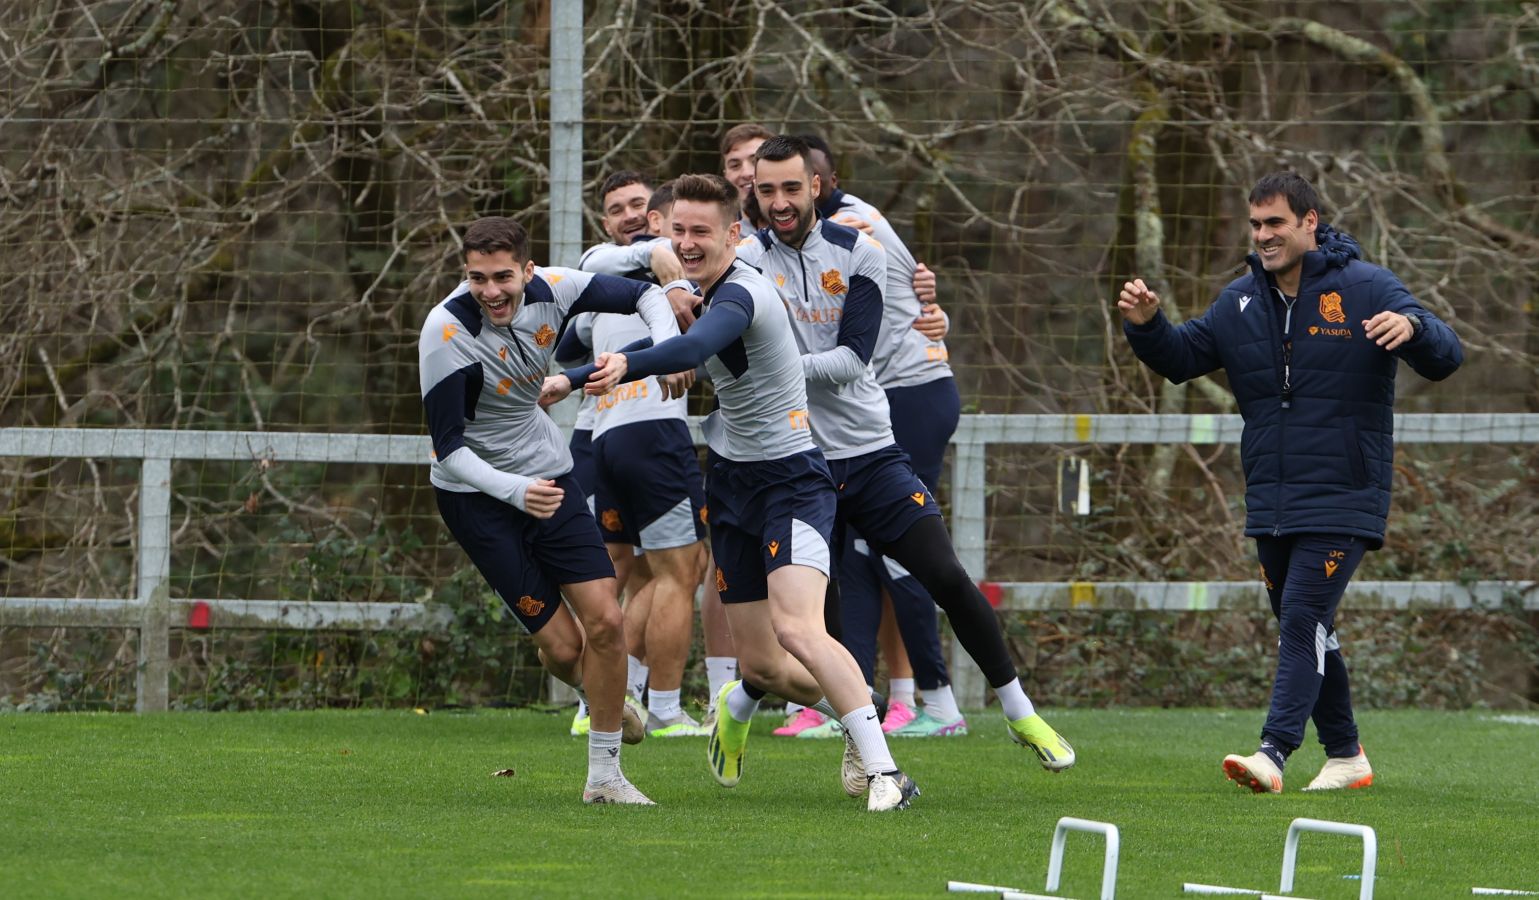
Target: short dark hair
[737,134]
[662,198]
[494,234]
[753,212]
[816,142]
[1300,193]
[708,189]
[619,180]
[783,147]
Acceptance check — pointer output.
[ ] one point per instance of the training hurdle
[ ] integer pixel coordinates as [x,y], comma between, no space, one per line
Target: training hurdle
[1296,828]
[1055,863]
[1291,850]
[1194,888]
[1109,864]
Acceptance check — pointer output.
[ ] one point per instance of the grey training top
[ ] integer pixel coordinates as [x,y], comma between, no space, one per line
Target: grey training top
[903,357]
[832,287]
[480,382]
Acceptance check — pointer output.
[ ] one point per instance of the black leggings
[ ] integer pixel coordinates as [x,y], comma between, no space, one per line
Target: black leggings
[925,551]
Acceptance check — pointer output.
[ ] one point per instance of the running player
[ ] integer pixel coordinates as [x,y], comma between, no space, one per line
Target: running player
[770,494]
[833,277]
[910,364]
[648,492]
[623,200]
[502,474]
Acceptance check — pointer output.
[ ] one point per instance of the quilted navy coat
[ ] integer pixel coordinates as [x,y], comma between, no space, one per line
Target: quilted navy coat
[1316,395]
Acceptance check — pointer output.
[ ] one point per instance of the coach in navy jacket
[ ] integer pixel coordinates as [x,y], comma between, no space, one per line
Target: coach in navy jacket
[1310,339]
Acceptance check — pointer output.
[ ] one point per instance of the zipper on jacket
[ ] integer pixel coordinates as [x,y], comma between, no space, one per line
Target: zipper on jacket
[1287,349]
[801,264]
[1287,399]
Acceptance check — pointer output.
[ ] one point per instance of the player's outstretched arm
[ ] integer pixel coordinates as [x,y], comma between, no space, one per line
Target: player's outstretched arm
[589,293]
[617,259]
[722,324]
[576,344]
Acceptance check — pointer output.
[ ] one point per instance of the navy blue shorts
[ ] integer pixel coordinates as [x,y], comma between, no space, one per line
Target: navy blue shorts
[880,495]
[582,462]
[649,493]
[924,417]
[524,559]
[767,514]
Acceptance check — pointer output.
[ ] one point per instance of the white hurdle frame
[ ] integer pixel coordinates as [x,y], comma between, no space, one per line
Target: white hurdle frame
[1291,850]
[1108,867]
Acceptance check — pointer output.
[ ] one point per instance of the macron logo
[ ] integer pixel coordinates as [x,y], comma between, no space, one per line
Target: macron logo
[1244,302]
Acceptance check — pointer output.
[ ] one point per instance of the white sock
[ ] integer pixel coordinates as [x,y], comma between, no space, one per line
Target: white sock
[603,756]
[901,690]
[635,676]
[740,706]
[664,704]
[941,704]
[718,671]
[582,707]
[826,708]
[865,730]
[1013,700]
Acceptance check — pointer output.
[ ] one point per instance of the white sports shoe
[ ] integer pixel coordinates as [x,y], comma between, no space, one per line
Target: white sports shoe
[620,790]
[1256,772]
[852,771]
[893,791]
[633,721]
[1339,774]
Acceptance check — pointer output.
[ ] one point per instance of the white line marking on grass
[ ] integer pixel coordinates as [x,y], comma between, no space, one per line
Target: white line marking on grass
[1513,720]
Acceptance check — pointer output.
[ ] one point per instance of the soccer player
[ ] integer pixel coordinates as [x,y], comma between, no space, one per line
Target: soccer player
[738,146]
[648,490]
[1311,338]
[651,257]
[623,199]
[833,278]
[770,495]
[502,474]
[910,364]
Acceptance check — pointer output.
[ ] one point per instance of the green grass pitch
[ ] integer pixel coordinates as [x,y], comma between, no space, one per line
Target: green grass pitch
[388,804]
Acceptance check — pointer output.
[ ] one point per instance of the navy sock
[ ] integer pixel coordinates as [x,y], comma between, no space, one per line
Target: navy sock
[1277,752]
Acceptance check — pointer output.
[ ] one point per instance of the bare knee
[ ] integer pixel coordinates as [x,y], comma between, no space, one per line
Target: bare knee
[605,627]
[760,671]
[798,637]
[561,653]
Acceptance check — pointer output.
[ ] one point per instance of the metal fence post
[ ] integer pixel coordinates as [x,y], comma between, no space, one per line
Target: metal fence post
[154,563]
[969,507]
[565,181]
[565,132]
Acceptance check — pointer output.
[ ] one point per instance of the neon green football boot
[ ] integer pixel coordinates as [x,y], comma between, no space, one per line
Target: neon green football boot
[1034,733]
[728,741]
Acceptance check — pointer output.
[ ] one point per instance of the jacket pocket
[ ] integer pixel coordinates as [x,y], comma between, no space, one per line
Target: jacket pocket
[1353,447]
